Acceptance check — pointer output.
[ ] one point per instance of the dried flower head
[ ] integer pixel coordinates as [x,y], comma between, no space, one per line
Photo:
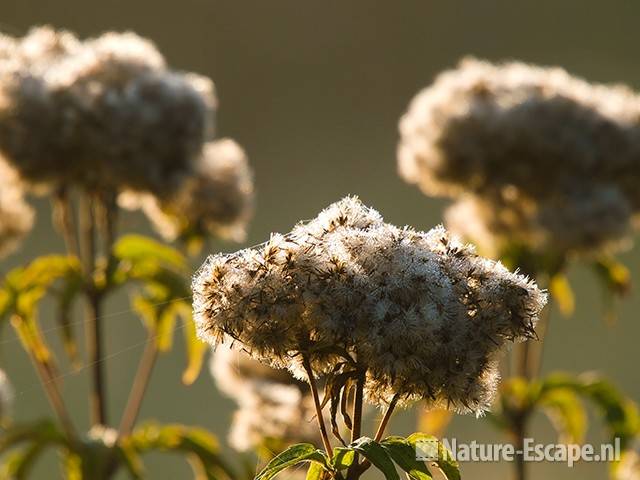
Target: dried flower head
[419,312]
[105,113]
[217,198]
[272,405]
[16,216]
[547,152]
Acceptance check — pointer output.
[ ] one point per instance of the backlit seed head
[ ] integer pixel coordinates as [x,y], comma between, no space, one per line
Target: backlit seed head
[421,313]
[16,215]
[105,113]
[540,153]
[216,199]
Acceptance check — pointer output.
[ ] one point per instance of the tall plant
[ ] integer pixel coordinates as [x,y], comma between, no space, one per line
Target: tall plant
[96,125]
[543,170]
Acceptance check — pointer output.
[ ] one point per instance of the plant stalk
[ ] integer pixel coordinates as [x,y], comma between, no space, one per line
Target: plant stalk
[316,402]
[64,220]
[354,470]
[48,381]
[93,323]
[139,387]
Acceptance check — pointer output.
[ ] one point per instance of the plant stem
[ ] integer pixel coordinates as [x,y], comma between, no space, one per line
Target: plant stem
[364,466]
[48,381]
[316,402]
[354,470]
[93,324]
[387,416]
[520,464]
[64,221]
[139,387]
[537,352]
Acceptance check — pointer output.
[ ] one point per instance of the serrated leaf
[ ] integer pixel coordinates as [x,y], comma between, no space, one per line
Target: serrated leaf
[404,455]
[445,462]
[377,455]
[292,456]
[562,293]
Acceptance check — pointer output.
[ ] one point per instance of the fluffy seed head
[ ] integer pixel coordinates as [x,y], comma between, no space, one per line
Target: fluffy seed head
[420,312]
[216,199]
[106,113]
[16,216]
[533,144]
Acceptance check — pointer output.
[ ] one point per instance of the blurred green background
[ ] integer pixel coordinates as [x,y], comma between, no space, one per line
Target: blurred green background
[313,91]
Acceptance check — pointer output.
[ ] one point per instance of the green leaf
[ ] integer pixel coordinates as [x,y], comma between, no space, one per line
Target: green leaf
[342,458]
[65,298]
[139,249]
[130,459]
[294,455]
[377,455]
[566,412]
[24,288]
[200,446]
[404,455]
[18,465]
[195,348]
[315,472]
[445,461]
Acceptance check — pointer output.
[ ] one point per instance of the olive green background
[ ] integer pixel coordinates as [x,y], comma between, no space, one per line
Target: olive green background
[313,91]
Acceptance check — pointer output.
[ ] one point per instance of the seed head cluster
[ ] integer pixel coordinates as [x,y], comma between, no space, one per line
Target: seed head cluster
[419,312]
[217,199]
[272,405]
[531,154]
[105,112]
[108,114]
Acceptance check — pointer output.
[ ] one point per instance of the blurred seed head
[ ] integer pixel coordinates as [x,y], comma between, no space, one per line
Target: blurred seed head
[547,152]
[272,405]
[105,113]
[16,215]
[420,312]
[6,397]
[216,199]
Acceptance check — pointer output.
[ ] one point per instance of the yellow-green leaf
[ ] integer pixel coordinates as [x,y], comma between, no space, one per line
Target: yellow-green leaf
[562,293]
